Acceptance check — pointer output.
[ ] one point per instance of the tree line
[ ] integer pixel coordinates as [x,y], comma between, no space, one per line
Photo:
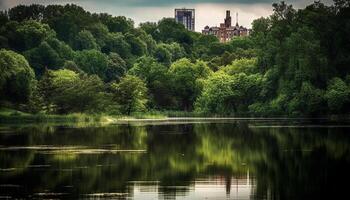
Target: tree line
[63,59]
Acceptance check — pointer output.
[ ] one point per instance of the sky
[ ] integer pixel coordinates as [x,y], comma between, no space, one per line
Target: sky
[208,12]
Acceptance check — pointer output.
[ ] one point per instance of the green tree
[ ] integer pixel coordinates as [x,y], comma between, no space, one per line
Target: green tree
[8,32]
[247,66]
[304,60]
[200,46]
[67,20]
[42,57]
[185,76]
[149,27]
[85,40]
[176,50]
[50,54]
[309,101]
[116,67]
[31,33]
[149,41]
[260,27]
[138,47]
[226,94]
[65,91]
[100,33]
[156,78]
[117,24]
[337,95]
[116,42]
[17,79]
[217,48]
[131,94]
[168,30]
[72,66]
[163,55]
[241,43]
[22,12]
[63,50]
[92,62]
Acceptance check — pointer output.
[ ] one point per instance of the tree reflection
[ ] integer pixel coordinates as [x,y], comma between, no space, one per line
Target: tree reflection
[283,162]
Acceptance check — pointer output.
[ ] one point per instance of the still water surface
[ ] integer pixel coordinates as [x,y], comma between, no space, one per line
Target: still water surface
[206,159]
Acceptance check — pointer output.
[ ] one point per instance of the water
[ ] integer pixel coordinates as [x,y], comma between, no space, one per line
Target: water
[197,159]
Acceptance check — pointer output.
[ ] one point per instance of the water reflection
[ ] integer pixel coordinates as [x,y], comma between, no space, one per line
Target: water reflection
[227,159]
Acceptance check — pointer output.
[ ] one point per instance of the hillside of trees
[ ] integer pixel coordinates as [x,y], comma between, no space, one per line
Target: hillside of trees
[63,59]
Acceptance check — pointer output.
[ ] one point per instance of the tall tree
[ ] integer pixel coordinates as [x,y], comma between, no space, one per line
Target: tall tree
[185,76]
[85,40]
[17,79]
[131,94]
[92,62]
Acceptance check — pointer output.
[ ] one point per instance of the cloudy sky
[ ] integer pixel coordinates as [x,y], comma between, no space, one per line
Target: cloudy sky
[208,12]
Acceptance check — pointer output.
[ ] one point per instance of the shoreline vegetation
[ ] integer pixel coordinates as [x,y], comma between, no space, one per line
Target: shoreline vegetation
[15,116]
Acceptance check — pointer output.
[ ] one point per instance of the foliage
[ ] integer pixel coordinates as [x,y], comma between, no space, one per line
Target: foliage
[131,94]
[116,67]
[228,94]
[92,62]
[31,33]
[17,79]
[247,66]
[117,24]
[294,63]
[43,57]
[115,42]
[308,101]
[71,65]
[186,80]
[163,54]
[157,78]
[85,40]
[66,91]
[337,95]
[138,47]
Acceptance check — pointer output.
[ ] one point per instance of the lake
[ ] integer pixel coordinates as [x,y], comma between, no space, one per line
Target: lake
[177,159]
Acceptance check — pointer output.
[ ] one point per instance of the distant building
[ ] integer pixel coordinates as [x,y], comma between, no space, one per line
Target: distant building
[226,31]
[185,17]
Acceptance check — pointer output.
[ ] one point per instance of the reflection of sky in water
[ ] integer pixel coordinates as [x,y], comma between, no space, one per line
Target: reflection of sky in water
[208,12]
[241,187]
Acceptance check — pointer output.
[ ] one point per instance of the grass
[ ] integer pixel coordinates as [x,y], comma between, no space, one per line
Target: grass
[157,114]
[148,115]
[179,113]
[10,115]
[172,113]
[14,116]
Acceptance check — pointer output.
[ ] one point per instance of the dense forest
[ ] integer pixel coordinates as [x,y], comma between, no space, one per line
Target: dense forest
[63,59]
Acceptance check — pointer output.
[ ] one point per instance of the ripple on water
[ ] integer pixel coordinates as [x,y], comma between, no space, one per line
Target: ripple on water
[48,149]
[105,195]
[8,169]
[10,186]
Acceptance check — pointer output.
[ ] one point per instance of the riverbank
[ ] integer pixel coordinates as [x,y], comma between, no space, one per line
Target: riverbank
[9,115]
[15,116]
